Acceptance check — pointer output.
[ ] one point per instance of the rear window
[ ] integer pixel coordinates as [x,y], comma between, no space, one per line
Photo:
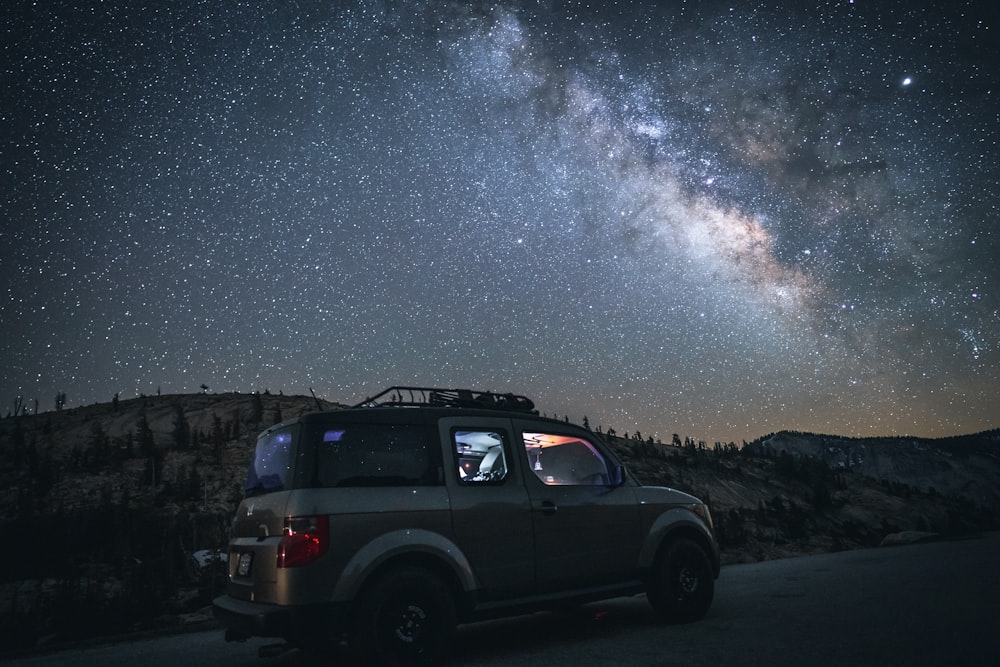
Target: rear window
[271,469]
[376,455]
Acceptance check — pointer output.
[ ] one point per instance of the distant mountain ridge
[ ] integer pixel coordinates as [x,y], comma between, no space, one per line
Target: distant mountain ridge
[965,466]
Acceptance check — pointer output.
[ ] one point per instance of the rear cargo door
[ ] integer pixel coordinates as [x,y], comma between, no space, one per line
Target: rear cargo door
[253,550]
[259,521]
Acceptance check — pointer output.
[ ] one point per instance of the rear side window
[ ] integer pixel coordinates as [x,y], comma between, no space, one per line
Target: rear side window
[481,456]
[376,455]
[271,469]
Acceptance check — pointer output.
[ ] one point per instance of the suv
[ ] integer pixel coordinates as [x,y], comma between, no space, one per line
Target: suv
[390,522]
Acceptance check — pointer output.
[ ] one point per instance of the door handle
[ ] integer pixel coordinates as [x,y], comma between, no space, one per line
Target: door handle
[546,507]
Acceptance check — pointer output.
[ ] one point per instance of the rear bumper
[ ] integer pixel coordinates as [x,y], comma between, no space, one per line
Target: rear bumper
[298,624]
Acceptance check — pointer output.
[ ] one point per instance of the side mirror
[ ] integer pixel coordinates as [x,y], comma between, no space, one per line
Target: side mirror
[617,474]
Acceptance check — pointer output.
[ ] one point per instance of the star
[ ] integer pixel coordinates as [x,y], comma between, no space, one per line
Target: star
[709,219]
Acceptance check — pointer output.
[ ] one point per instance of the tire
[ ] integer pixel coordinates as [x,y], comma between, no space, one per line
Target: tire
[407,617]
[682,583]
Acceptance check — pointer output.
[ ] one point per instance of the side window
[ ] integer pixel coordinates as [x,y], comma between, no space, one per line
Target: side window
[565,460]
[375,455]
[480,456]
[272,462]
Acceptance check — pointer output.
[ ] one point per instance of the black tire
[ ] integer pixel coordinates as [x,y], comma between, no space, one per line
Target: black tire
[407,617]
[682,583]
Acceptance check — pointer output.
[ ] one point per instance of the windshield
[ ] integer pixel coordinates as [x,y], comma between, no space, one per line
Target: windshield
[271,469]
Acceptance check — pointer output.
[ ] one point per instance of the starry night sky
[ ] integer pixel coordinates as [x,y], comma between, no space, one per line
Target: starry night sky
[706,218]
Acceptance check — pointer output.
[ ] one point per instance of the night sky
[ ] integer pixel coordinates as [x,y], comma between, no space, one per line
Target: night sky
[712,219]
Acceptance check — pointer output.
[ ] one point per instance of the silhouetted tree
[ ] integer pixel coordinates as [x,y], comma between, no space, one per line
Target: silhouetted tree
[218,440]
[182,431]
[820,494]
[785,465]
[17,441]
[41,468]
[98,447]
[144,437]
[256,409]
[193,485]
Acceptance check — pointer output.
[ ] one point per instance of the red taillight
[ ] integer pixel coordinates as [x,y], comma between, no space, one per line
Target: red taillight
[305,539]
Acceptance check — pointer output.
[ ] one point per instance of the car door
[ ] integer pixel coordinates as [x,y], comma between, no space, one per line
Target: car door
[586,527]
[491,513]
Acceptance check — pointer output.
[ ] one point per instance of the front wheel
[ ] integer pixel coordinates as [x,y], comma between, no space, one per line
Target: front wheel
[407,617]
[682,584]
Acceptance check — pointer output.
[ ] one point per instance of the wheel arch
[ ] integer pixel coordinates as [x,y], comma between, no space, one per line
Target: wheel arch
[410,548]
[671,526]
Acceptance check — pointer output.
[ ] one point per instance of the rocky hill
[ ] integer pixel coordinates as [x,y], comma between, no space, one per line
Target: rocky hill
[772,502]
[966,467]
[121,510]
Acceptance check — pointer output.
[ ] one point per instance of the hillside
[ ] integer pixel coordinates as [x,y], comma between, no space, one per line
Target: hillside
[126,505]
[965,467]
[778,502]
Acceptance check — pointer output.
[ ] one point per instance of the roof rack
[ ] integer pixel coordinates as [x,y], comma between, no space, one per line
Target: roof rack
[449,398]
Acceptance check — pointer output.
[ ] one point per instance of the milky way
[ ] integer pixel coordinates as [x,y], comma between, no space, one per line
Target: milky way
[713,219]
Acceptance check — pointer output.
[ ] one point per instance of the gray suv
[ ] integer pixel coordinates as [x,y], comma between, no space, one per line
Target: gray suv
[389,523]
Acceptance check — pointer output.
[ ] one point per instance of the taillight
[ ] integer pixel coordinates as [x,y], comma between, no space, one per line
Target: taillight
[304,539]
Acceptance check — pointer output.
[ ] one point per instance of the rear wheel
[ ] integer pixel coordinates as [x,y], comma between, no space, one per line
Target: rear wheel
[682,584]
[407,617]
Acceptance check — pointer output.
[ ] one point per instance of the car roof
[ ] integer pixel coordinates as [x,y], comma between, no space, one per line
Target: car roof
[423,415]
[409,405]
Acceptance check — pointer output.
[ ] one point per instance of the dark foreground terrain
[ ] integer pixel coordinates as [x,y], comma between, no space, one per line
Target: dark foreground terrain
[919,604]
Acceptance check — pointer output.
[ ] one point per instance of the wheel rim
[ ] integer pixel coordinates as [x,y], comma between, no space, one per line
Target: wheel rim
[411,623]
[687,580]
[405,618]
[407,629]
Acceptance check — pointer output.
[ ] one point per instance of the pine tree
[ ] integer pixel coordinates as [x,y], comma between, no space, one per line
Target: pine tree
[256,409]
[147,449]
[182,431]
[218,440]
[144,437]
[99,447]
